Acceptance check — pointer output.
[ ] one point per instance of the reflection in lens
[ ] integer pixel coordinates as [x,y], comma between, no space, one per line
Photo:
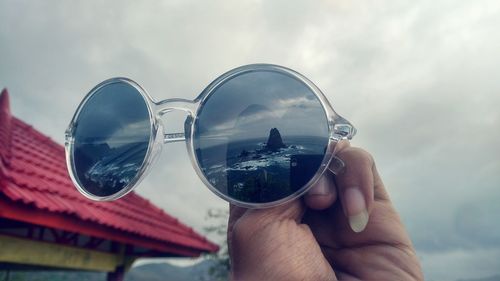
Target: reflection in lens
[260,136]
[111,139]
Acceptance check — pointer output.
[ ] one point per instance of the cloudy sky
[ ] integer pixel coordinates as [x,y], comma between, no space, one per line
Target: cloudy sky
[419,79]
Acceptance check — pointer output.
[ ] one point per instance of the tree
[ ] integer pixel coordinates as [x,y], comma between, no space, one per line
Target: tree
[219,271]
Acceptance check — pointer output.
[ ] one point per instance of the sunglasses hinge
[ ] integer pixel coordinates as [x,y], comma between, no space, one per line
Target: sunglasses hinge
[343,131]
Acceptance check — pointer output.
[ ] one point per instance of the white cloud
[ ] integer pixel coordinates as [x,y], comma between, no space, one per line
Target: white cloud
[418,80]
[460,264]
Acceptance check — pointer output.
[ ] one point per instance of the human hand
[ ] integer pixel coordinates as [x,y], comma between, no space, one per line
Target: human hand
[345,228]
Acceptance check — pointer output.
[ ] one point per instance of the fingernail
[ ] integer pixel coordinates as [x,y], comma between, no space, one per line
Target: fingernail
[356,209]
[322,187]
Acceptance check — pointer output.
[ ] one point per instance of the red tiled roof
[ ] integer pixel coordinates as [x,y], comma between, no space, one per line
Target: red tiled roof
[33,173]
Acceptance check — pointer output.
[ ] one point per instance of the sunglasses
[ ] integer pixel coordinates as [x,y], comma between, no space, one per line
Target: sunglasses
[258,136]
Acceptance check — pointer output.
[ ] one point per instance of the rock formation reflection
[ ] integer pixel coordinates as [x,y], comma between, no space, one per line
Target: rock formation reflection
[260,170]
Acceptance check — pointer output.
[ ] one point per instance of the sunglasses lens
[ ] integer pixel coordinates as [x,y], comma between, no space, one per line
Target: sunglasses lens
[261,136]
[111,139]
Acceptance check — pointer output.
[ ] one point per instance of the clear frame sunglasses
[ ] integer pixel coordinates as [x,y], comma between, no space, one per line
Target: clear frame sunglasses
[258,136]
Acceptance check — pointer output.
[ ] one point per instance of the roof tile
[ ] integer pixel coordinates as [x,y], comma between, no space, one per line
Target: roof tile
[36,174]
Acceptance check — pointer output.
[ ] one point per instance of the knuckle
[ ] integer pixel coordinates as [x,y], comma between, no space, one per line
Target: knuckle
[358,155]
[239,231]
[362,153]
[349,179]
[367,157]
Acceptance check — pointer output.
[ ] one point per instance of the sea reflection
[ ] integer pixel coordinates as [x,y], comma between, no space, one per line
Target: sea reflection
[104,170]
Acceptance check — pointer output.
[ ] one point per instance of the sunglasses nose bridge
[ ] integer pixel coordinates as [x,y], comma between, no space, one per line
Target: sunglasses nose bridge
[172,105]
[168,105]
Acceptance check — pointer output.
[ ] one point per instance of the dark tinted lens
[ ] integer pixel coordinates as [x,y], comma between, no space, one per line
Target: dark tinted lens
[261,136]
[111,139]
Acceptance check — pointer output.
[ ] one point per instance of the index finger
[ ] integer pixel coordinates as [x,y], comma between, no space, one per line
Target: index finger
[356,186]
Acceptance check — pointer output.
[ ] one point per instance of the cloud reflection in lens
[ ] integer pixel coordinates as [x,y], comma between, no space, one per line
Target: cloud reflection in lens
[260,136]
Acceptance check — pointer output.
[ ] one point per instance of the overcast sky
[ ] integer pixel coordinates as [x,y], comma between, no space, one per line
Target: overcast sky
[419,79]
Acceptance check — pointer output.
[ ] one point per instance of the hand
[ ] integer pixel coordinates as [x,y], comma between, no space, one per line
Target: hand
[345,228]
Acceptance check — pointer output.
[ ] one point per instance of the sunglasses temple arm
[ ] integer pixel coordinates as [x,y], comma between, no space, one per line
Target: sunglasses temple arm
[342,129]
[337,166]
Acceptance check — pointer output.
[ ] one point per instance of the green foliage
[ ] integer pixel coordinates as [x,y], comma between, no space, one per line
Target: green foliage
[219,271]
[51,276]
[217,263]
[259,186]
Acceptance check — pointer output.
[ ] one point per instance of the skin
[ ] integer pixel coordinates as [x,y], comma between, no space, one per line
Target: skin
[329,234]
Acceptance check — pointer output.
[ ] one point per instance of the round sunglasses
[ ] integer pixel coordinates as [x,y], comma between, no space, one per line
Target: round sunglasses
[258,136]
